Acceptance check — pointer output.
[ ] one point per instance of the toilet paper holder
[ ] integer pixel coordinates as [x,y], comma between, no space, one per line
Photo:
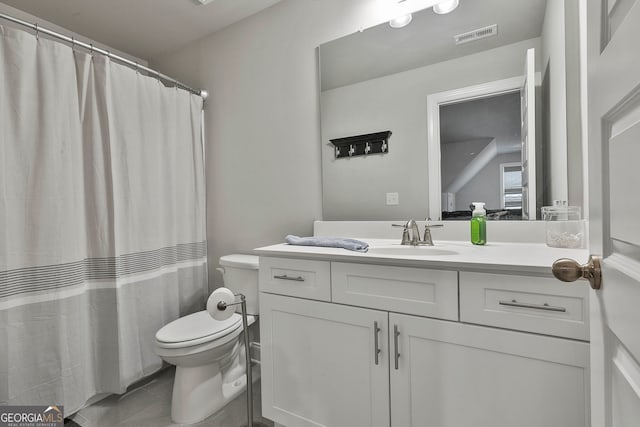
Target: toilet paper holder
[222,306]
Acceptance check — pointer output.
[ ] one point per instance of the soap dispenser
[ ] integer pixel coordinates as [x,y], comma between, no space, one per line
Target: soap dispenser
[478,224]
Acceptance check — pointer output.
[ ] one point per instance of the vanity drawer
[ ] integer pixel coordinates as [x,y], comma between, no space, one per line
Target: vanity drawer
[419,291]
[296,277]
[533,304]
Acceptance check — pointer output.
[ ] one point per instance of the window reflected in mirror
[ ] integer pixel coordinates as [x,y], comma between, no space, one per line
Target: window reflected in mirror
[511,185]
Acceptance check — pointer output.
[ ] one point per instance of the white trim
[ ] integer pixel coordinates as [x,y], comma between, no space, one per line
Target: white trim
[584,105]
[434,101]
[529,203]
[625,265]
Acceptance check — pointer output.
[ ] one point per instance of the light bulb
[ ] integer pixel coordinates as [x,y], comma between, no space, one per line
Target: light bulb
[445,6]
[401,21]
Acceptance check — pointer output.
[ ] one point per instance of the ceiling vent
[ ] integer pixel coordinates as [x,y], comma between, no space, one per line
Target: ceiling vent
[480,33]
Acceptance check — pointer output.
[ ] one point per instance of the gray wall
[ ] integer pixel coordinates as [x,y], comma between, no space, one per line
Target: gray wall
[554,90]
[562,139]
[354,188]
[574,132]
[485,186]
[456,155]
[262,119]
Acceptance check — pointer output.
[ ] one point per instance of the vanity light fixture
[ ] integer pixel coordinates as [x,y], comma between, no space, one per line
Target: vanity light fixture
[445,6]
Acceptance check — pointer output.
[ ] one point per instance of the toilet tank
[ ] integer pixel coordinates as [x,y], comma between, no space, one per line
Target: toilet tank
[240,275]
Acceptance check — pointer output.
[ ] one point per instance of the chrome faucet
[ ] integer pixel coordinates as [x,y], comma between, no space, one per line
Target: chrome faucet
[411,234]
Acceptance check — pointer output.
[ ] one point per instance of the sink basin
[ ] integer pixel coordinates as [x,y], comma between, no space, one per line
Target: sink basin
[402,250]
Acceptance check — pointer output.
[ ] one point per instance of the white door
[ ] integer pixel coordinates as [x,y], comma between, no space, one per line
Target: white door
[528,136]
[319,363]
[613,63]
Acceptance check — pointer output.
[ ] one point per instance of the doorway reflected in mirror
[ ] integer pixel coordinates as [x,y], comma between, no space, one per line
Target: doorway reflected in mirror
[481,156]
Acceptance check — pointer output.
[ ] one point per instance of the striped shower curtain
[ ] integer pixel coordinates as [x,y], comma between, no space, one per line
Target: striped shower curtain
[102,224]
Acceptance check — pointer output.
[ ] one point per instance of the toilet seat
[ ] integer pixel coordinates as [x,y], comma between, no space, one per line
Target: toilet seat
[195,329]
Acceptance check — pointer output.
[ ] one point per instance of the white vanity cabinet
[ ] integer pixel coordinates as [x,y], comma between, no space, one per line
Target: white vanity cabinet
[407,346]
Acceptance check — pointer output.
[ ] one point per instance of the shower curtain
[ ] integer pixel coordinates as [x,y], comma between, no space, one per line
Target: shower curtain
[102,224]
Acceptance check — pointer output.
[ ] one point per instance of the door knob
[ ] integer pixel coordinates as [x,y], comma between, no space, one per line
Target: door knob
[569,270]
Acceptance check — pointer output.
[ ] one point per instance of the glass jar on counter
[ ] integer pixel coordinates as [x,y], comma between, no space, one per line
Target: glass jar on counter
[564,226]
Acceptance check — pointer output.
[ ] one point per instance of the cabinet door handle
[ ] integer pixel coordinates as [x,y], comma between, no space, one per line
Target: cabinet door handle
[376,350]
[285,277]
[545,306]
[396,334]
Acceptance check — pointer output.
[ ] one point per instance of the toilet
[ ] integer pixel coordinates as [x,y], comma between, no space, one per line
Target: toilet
[209,354]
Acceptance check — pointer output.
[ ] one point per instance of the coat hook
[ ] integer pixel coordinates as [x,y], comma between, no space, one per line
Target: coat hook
[352,150]
[337,152]
[384,146]
[367,148]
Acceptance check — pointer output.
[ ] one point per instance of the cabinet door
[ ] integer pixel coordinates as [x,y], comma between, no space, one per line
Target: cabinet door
[319,363]
[456,375]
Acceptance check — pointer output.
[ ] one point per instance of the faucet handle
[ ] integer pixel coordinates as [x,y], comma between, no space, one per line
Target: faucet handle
[406,240]
[427,239]
[405,233]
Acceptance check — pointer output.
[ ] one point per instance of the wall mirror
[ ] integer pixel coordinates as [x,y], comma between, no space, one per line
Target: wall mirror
[455,92]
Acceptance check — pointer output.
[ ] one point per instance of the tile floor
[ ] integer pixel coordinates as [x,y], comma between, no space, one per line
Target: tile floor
[148,404]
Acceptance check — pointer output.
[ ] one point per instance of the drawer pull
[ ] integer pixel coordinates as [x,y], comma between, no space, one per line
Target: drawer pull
[285,277]
[396,334]
[376,331]
[545,306]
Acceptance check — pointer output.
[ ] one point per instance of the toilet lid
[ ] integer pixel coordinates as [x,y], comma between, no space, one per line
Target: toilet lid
[197,326]
[240,260]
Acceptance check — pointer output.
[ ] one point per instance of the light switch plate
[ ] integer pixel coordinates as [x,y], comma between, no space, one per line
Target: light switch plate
[393,199]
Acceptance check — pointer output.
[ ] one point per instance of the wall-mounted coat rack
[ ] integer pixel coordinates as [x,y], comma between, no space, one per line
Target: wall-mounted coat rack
[362,145]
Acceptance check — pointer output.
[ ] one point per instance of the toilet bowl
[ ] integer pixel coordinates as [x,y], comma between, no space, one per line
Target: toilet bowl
[208,353]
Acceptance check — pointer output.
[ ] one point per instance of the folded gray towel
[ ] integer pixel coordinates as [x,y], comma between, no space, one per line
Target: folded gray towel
[329,242]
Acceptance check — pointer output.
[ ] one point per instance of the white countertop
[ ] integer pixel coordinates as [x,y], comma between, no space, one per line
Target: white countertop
[529,258]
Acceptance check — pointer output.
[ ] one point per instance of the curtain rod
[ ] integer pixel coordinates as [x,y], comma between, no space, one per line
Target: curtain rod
[92,48]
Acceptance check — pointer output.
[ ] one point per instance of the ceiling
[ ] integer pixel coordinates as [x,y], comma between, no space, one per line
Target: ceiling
[492,117]
[428,39]
[144,28]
